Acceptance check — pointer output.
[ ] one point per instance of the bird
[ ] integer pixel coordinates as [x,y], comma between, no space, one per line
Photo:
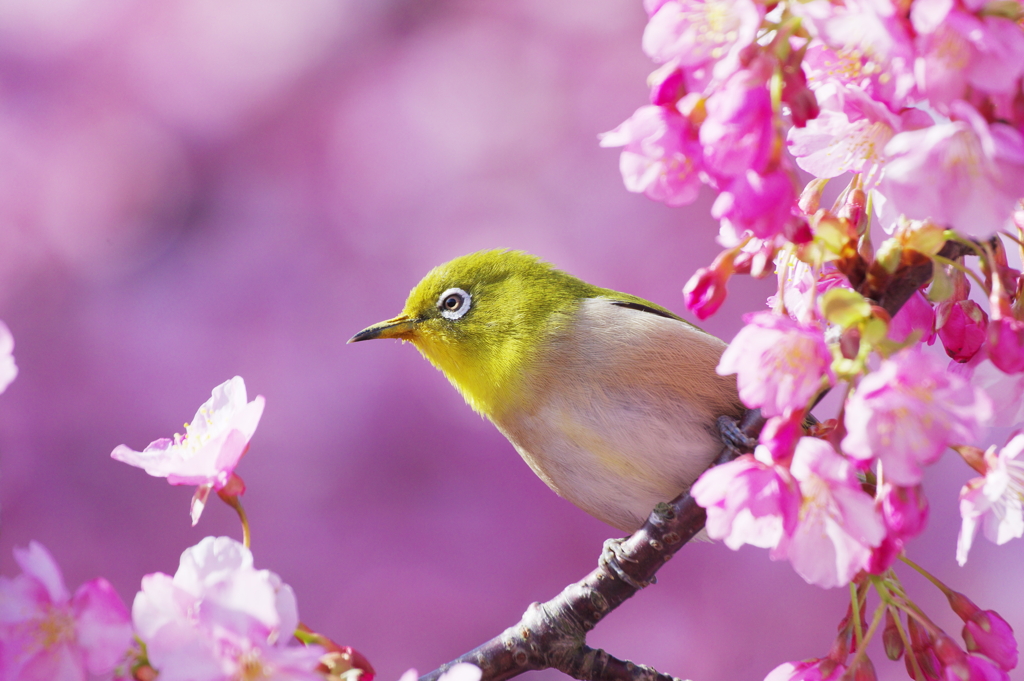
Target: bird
[612,400]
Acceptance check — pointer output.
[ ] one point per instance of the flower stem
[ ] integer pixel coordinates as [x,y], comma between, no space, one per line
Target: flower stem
[966,270]
[236,503]
[858,632]
[946,591]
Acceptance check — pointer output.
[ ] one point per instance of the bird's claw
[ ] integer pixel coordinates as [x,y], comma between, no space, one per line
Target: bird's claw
[733,437]
[612,557]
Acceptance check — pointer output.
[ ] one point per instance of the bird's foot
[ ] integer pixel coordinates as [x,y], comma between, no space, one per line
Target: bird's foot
[612,558]
[734,438]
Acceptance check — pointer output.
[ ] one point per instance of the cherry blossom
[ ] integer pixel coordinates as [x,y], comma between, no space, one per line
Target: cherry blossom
[738,133]
[220,618]
[780,364]
[993,503]
[661,156]
[839,524]
[749,501]
[916,315]
[48,635]
[908,411]
[213,443]
[823,669]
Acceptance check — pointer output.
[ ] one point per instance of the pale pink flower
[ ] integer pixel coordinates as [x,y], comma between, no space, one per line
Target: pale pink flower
[749,501]
[48,635]
[738,133]
[958,49]
[660,156]
[213,443]
[863,44]
[219,617]
[757,204]
[822,669]
[702,33]
[965,174]
[908,411]
[780,364]
[993,503]
[1005,390]
[801,286]
[839,524]
[8,369]
[916,315]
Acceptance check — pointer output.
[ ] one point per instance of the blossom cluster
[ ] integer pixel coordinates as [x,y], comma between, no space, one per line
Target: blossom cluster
[918,106]
[218,618]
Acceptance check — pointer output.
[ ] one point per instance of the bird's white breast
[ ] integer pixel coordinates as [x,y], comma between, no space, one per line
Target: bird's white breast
[621,411]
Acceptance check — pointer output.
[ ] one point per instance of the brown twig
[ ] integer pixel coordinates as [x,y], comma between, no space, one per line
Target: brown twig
[552,635]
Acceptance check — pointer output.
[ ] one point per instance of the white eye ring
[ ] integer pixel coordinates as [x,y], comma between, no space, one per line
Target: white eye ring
[454,303]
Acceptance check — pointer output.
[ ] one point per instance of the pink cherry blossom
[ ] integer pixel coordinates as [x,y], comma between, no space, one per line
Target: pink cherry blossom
[916,315]
[8,369]
[862,44]
[966,173]
[702,33]
[801,285]
[661,156]
[219,616]
[48,635]
[904,510]
[908,411]
[213,443]
[985,632]
[753,203]
[1005,390]
[993,503]
[705,291]
[822,669]
[738,133]
[779,363]
[839,524]
[749,501]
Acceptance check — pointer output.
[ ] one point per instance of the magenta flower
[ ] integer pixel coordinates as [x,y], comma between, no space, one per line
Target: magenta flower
[966,173]
[738,133]
[823,669]
[705,291]
[839,524]
[780,364]
[213,443]
[660,156]
[908,411]
[220,618]
[702,33]
[916,315]
[47,635]
[749,501]
[904,510]
[985,632]
[759,204]
[8,369]
[993,503]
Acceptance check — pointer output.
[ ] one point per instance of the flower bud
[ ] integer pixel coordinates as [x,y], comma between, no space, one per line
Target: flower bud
[705,292]
[1005,339]
[962,325]
[667,85]
[952,658]
[904,509]
[862,670]
[989,634]
[891,638]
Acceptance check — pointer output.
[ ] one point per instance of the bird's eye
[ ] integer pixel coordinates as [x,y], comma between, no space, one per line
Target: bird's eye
[454,303]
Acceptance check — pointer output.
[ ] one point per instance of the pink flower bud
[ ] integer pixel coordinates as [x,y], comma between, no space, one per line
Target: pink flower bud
[891,638]
[781,433]
[952,658]
[1005,336]
[989,634]
[863,670]
[904,509]
[961,325]
[705,292]
[915,315]
[667,85]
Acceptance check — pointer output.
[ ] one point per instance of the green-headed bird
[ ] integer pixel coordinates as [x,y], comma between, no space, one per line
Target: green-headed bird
[612,400]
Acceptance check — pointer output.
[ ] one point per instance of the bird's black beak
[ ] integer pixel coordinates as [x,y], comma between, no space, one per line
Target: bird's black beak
[402,327]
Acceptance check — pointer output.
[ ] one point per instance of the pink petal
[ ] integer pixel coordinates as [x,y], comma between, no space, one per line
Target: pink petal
[103,625]
[38,563]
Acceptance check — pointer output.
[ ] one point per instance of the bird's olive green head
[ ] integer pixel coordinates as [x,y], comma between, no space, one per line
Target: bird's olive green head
[482,319]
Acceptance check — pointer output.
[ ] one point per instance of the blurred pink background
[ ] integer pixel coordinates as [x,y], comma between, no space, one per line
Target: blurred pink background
[191,190]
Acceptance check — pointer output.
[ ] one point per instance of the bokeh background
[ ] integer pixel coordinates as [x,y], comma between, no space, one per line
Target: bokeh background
[191,190]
